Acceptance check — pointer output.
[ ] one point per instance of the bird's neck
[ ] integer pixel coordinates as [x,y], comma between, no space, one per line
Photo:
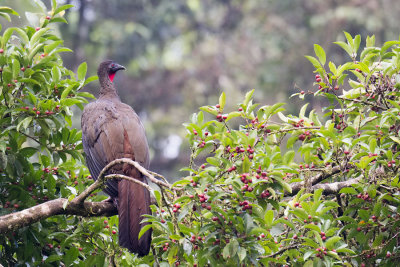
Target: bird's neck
[107,89]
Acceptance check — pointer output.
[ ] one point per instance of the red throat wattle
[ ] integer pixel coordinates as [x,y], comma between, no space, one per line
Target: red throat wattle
[111,76]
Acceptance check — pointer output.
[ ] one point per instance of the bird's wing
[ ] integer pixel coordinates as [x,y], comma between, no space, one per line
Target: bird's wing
[111,131]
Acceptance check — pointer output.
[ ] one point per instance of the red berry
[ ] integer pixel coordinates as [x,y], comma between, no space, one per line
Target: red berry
[80,249]
[114,232]
[217,106]
[48,17]
[302,92]
[16,206]
[1,51]
[318,80]
[105,222]
[37,28]
[240,109]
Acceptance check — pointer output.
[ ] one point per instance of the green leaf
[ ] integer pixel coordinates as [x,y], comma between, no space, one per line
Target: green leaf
[24,123]
[222,100]
[15,68]
[36,36]
[8,10]
[6,16]
[330,243]
[50,47]
[34,51]
[313,227]
[303,111]
[53,4]
[23,35]
[67,91]
[346,47]
[268,218]
[396,139]
[348,190]
[314,61]
[248,97]
[59,19]
[332,68]
[372,145]
[62,8]
[231,249]
[144,230]
[6,36]
[242,254]
[288,157]
[357,41]
[82,71]
[246,165]
[320,53]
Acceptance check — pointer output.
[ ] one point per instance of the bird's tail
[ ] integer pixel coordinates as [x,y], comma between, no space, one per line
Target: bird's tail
[133,202]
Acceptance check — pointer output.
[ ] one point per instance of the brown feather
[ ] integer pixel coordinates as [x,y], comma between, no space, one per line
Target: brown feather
[112,130]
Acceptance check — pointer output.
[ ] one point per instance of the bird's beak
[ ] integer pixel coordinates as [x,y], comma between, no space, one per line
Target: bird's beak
[117,67]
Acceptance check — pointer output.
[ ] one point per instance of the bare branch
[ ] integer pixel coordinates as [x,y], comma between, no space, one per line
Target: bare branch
[133,180]
[334,188]
[281,251]
[138,167]
[78,206]
[296,187]
[81,197]
[16,220]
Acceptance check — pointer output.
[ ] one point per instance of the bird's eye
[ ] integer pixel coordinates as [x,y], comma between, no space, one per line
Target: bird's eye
[112,65]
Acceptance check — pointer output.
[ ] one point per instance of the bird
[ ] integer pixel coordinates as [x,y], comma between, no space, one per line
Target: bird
[112,130]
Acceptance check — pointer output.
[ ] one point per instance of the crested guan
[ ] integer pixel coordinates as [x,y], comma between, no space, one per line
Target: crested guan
[112,130]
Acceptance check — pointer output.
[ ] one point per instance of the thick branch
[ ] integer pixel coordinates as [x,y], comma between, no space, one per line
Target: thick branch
[78,206]
[296,187]
[334,188]
[13,221]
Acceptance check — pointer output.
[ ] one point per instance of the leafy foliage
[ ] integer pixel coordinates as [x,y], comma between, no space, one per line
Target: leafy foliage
[243,204]
[238,206]
[40,151]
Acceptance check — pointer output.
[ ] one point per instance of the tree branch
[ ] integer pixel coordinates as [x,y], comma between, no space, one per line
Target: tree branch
[334,188]
[78,206]
[16,220]
[296,187]
[138,167]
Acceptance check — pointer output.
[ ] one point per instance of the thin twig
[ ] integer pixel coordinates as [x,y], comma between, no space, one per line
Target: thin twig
[280,251]
[139,167]
[121,176]
[158,175]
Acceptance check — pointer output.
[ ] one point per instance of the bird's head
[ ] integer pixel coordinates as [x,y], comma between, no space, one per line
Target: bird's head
[108,69]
